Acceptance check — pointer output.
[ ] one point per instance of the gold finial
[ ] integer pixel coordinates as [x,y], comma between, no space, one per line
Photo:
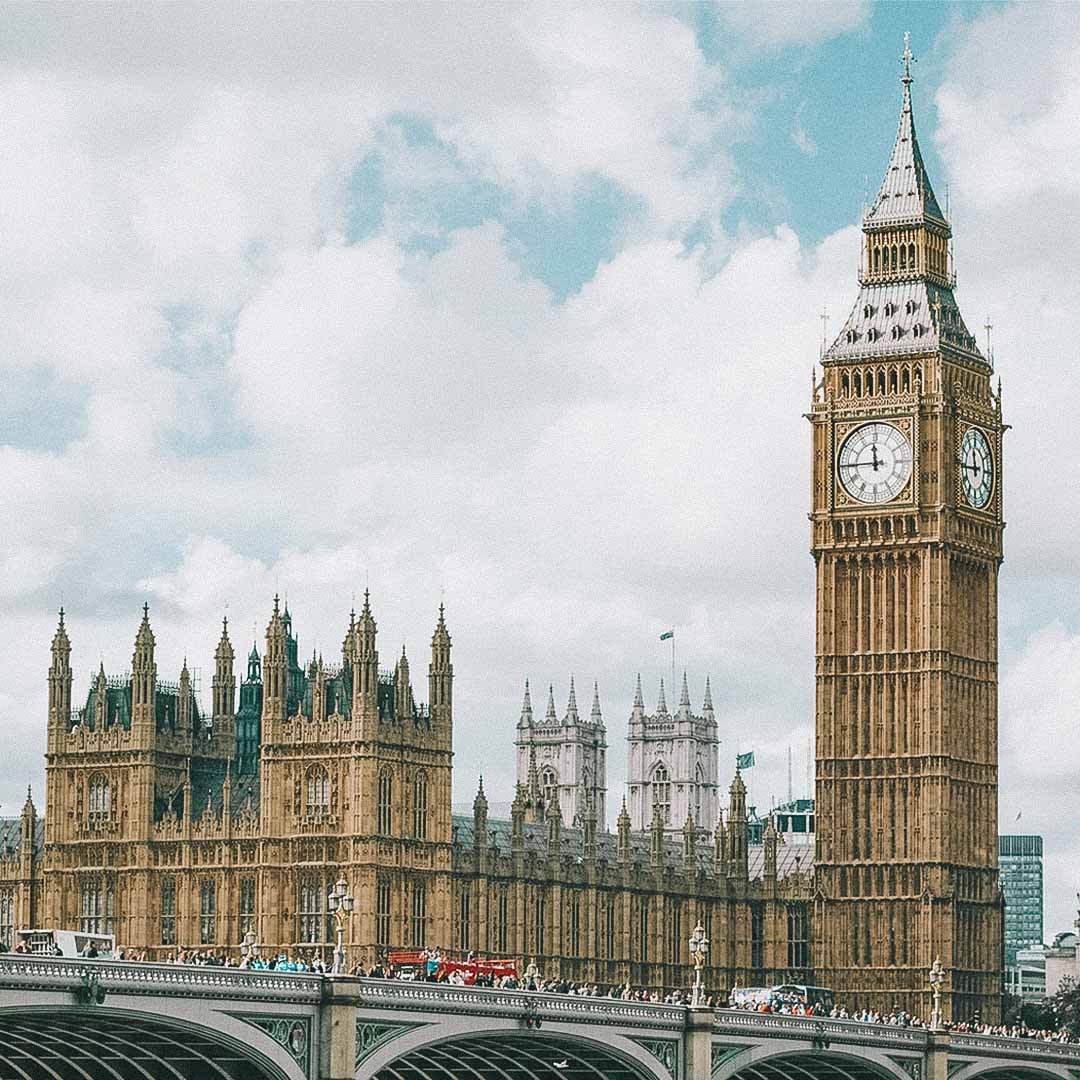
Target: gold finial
[907,59]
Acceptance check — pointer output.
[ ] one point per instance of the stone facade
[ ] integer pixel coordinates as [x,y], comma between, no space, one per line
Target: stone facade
[163,827]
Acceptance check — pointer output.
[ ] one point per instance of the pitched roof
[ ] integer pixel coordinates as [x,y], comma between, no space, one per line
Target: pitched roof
[905,194]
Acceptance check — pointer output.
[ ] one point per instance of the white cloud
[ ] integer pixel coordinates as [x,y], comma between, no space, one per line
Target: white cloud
[790,22]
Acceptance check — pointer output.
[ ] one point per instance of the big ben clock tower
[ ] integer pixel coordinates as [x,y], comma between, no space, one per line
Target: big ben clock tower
[907,529]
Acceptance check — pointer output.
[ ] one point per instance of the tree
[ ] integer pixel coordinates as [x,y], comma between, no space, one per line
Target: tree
[1066,1006]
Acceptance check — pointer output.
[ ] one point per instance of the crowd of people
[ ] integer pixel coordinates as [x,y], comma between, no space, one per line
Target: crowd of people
[790,1005]
[429,967]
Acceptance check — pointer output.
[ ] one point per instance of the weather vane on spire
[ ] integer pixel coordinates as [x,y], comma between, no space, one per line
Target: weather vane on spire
[907,59]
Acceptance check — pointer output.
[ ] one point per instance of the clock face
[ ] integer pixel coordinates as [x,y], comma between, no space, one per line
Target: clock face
[875,463]
[976,468]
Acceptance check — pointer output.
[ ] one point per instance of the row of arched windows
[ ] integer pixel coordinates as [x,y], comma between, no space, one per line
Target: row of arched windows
[893,257]
[897,379]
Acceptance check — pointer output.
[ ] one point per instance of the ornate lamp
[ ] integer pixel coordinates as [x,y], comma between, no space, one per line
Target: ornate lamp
[699,950]
[340,903]
[937,978]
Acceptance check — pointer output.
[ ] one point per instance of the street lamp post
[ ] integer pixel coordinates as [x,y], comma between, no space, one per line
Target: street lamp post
[248,949]
[699,950]
[341,903]
[937,978]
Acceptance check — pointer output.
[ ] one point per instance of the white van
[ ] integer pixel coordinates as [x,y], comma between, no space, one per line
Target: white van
[70,943]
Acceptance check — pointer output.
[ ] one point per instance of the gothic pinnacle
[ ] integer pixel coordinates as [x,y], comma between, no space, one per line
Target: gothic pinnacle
[707,704]
[661,705]
[550,716]
[571,705]
[596,717]
[639,701]
[684,699]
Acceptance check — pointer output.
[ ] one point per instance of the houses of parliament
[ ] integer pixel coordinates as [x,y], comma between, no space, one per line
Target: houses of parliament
[179,830]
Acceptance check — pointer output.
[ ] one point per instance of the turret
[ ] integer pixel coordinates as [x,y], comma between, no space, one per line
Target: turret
[689,845]
[684,700]
[571,718]
[366,673]
[402,689]
[534,796]
[661,704]
[623,835]
[656,838]
[595,716]
[275,668]
[184,711]
[27,828]
[707,705]
[517,821]
[589,831]
[60,680]
[769,842]
[550,718]
[144,682]
[224,691]
[480,814]
[526,709]
[738,866]
[720,862]
[441,681]
[554,831]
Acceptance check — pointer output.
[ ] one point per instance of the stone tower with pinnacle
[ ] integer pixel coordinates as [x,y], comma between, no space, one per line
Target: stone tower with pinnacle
[907,541]
[673,763]
[564,758]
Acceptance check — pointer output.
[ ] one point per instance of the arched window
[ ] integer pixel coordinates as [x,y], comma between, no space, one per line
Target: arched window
[910,307]
[907,380]
[96,906]
[549,784]
[880,381]
[100,802]
[661,792]
[911,256]
[870,382]
[318,791]
[310,909]
[384,813]
[419,808]
[858,384]
[877,260]
[892,380]
[845,382]
[893,259]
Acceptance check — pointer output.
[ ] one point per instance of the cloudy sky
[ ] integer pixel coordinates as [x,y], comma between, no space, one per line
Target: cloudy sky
[515,306]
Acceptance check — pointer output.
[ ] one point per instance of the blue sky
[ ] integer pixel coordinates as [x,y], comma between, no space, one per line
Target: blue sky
[498,303]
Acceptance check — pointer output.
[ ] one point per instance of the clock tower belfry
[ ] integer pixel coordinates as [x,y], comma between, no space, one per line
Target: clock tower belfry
[907,541]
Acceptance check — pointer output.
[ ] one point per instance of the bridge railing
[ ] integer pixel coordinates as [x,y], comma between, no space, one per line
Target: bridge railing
[571,1008]
[736,1021]
[190,980]
[1006,1045]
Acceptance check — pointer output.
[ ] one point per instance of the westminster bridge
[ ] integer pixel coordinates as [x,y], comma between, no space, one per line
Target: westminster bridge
[103,1020]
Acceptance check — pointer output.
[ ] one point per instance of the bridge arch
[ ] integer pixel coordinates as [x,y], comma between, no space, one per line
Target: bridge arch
[762,1063]
[69,1043]
[520,1055]
[994,1070]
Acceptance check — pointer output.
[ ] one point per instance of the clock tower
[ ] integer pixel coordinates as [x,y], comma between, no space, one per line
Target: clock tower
[906,537]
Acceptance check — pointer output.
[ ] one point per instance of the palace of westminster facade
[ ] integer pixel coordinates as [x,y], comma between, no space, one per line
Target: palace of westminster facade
[177,830]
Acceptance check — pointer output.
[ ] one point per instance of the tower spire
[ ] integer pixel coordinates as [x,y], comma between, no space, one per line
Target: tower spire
[595,716]
[549,716]
[526,708]
[571,705]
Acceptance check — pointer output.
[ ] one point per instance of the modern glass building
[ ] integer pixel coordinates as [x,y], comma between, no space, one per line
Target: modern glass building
[1020,861]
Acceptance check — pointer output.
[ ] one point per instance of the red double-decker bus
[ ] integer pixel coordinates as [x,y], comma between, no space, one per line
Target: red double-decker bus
[416,964]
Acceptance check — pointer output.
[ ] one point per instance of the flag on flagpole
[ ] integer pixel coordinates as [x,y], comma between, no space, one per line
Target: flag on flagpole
[744,761]
[667,635]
